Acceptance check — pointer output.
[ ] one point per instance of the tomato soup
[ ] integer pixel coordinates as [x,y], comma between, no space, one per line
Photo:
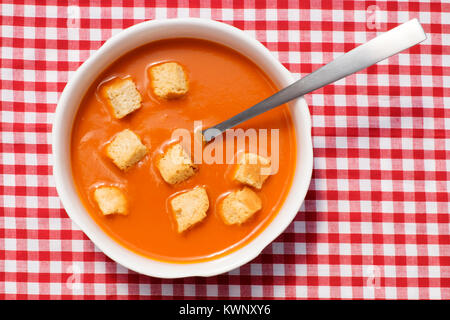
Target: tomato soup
[222,83]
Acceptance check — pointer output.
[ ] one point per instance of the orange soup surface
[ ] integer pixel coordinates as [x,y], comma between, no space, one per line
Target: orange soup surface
[222,83]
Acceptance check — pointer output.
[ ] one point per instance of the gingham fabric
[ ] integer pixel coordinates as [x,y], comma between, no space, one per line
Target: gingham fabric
[375,222]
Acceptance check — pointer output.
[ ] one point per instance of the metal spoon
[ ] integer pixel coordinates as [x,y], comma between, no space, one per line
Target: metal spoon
[389,43]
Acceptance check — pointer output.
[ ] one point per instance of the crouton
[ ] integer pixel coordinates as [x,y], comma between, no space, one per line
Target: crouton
[123,97]
[190,208]
[110,200]
[176,165]
[169,80]
[252,170]
[126,149]
[238,206]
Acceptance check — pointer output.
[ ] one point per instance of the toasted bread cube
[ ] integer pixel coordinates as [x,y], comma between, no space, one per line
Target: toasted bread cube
[238,206]
[176,165]
[123,97]
[252,170]
[126,149]
[169,80]
[190,208]
[110,200]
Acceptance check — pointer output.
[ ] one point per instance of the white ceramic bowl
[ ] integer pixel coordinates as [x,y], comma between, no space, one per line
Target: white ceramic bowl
[128,40]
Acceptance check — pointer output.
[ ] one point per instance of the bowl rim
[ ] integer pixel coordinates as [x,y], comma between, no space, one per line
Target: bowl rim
[62,127]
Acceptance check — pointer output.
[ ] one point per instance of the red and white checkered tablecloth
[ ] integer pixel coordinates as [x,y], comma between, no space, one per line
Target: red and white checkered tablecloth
[375,222]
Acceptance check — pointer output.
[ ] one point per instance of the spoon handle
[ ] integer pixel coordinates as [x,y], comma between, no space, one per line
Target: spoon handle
[385,45]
